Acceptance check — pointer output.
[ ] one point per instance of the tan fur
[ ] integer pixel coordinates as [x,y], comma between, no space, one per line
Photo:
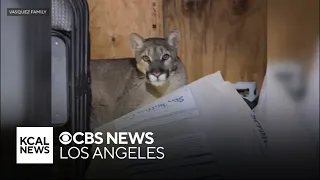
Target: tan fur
[119,87]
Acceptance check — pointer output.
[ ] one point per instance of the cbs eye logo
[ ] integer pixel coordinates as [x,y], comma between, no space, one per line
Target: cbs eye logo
[65,138]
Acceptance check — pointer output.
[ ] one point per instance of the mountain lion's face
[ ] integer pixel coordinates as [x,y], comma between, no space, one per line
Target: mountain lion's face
[156,56]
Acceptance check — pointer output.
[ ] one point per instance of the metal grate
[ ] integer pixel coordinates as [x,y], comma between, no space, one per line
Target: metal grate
[61,15]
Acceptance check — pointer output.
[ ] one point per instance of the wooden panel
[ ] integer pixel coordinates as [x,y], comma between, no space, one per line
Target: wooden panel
[111,22]
[225,35]
[293,29]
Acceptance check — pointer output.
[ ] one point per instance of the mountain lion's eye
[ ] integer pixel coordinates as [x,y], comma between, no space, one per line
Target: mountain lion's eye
[165,57]
[145,58]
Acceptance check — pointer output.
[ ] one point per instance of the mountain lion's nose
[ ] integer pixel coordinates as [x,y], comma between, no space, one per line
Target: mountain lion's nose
[156,73]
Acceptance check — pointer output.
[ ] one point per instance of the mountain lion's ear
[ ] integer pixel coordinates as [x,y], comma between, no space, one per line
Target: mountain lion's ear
[136,41]
[173,38]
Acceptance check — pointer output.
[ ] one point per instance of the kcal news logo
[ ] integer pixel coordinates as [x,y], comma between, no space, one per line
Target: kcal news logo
[117,145]
[34,145]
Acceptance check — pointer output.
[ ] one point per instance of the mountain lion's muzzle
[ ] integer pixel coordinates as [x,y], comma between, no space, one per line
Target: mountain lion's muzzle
[157,76]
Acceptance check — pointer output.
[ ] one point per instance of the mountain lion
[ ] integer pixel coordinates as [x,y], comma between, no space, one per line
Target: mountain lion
[123,85]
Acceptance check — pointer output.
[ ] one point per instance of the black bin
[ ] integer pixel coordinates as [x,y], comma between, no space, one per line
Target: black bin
[71,96]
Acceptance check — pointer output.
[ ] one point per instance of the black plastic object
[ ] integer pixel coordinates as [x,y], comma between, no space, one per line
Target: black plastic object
[80,56]
[78,88]
[60,56]
[62,96]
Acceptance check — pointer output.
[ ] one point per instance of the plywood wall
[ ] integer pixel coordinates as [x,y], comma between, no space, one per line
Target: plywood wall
[111,22]
[220,35]
[225,35]
[293,30]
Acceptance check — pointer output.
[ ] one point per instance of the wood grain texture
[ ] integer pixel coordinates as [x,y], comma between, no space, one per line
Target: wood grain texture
[220,35]
[293,30]
[111,22]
